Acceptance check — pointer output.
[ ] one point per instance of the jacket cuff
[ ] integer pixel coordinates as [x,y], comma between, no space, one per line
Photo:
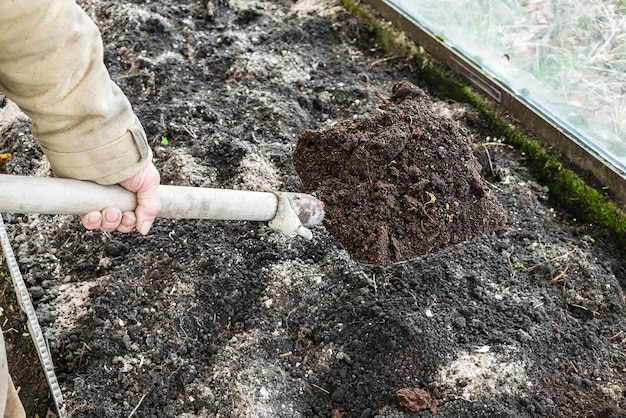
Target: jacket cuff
[109,164]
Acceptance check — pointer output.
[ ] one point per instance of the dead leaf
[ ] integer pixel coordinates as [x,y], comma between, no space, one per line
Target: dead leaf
[416,399]
[337,414]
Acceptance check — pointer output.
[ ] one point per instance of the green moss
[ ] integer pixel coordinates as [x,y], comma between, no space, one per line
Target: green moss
[582,200]
[564,184]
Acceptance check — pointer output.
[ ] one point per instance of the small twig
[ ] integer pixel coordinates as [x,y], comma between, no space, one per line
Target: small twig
[571,367]
[557,258]
[584,309]
[431,201]
[432,198]
[194,136]
[493,185]
[383,99]
[560,257]
[497,144]
[558,276]
[82,353]
[137,407]
[513,271]
[493,172]
[320,388]
[620,353]
[287,319]
[381,61]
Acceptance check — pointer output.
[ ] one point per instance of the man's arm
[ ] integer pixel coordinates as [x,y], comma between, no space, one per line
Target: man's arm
[51,66]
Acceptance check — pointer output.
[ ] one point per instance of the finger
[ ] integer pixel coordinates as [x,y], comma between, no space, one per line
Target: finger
[92,220]
[111,218]
[128,222]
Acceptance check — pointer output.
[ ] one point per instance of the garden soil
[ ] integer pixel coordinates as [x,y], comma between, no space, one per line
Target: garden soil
[206,318]
[398,184]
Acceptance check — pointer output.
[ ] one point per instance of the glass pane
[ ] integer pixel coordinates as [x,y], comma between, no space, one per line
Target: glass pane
[567,58]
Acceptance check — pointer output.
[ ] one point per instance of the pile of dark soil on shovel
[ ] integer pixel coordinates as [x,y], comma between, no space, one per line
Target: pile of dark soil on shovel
[228,319]
[399,183]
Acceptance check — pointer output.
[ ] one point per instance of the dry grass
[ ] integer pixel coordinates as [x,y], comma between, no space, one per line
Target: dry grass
[568,56]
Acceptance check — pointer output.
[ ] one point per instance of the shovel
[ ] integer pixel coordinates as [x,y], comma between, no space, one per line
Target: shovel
[289,213]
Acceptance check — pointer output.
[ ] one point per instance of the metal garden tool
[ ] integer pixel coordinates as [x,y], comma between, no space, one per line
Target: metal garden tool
[289,213]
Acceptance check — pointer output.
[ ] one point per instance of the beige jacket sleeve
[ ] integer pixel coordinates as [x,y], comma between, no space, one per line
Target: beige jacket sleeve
[51,66]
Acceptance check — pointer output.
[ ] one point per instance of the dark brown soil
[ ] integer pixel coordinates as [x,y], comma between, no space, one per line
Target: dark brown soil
[231,319]
[399,183]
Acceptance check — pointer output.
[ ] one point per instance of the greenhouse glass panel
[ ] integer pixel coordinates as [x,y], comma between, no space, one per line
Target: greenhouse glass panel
[565,58]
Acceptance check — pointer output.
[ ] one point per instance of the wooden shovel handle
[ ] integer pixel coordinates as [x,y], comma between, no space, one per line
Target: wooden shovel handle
[45,195]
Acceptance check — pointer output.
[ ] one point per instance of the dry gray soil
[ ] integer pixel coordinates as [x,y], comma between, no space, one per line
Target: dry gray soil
[231,319]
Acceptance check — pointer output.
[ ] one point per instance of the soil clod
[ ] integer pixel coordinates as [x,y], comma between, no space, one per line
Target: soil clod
[398,183]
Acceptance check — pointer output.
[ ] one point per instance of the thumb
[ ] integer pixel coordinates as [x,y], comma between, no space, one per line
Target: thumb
[146,185]
[148,206]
